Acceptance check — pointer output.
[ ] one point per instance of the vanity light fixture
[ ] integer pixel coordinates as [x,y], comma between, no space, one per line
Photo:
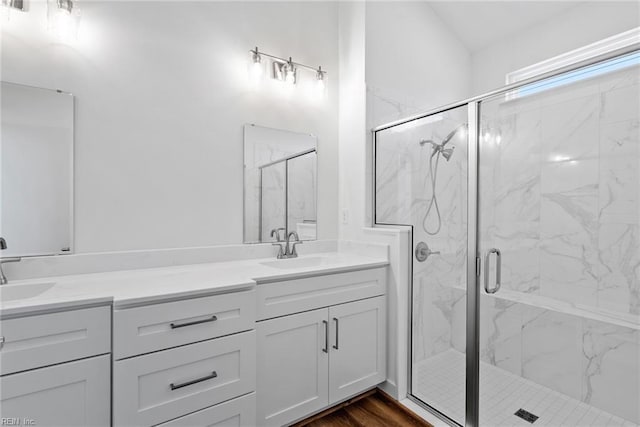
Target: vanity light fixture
[286,70]
[8,6]
[256,64]
[63,18]
[14,4]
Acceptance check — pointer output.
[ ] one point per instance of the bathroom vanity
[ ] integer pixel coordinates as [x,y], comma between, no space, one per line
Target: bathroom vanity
[253,342]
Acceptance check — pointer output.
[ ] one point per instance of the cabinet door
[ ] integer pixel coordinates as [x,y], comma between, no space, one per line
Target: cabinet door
[292,367]
[70,394]
[357,345]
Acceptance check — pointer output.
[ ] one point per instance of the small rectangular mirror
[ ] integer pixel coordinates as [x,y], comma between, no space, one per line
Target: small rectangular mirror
[280,184]
[36,171]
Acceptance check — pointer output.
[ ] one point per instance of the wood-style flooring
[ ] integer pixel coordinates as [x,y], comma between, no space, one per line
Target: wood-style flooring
[371,409]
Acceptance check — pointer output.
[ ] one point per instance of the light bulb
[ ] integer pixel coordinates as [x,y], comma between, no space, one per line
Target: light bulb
[63,19]
[320,83]
[256,68]
[290,73]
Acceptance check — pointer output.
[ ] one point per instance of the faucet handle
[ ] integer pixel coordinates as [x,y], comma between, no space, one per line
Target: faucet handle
[275,232]
[280,250]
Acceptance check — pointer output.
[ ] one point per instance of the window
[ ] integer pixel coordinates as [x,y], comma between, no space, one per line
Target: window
[626,39]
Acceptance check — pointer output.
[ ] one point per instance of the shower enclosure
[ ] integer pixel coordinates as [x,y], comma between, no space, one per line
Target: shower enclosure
[524,209]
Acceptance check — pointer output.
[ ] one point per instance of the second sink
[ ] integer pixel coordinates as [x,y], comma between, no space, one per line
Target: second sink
[15,292]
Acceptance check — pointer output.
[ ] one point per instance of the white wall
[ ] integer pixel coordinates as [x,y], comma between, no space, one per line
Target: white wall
[161,94]
[581,25]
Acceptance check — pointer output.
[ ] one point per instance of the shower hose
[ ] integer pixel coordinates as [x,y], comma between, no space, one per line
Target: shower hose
[433,203]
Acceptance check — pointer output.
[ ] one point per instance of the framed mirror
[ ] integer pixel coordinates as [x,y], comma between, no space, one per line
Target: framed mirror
[280,184]
[36,171]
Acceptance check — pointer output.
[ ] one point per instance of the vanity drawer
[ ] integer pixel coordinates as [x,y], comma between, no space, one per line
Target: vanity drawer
[161,386]
[294,296]
[156,327]
[36,341]
[240,412]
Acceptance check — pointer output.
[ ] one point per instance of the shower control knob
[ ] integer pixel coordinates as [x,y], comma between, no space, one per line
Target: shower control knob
[422,252]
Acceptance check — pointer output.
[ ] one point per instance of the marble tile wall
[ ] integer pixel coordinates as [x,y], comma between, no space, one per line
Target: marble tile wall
[560,191]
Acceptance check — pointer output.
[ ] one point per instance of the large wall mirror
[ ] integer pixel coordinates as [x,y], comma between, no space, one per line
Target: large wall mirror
[280,184]
[36,171]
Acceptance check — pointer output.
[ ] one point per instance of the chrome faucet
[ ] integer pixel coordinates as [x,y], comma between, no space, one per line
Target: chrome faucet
[3,246]
[289,248]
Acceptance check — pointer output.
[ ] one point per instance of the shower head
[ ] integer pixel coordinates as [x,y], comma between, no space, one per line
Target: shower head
[439,148]
[447,152]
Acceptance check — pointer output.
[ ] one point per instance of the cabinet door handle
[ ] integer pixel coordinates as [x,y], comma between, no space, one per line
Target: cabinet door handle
[211,376]
[335,319]
[326,336]
[1,342]
[197,322]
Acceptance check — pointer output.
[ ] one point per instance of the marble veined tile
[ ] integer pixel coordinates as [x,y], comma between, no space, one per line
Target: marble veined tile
[619,79]
[569,231]
[620,104]
[551,343]
[500,333]
[570,129]
[433,315]
[611,369]
[619,185]
[619,275]
[519,243]
[515,167]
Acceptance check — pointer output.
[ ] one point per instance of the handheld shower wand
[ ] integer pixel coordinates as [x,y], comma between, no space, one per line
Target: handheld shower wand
[438,150]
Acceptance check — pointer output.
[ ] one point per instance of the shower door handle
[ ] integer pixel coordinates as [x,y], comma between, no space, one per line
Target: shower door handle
[487,258]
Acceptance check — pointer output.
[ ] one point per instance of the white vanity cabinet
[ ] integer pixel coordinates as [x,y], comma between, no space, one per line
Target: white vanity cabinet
[182,362]
[314,359]
[56,370]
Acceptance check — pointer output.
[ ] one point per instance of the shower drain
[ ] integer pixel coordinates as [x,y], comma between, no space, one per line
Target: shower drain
[526,415]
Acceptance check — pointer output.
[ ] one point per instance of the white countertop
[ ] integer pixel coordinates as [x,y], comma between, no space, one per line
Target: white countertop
[135,287]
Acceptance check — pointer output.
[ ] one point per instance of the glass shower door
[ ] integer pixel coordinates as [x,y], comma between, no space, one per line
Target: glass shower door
[558,236]
[421,182]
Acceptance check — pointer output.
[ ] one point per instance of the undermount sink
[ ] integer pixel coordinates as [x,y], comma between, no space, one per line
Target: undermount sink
[293,263]
[15,292]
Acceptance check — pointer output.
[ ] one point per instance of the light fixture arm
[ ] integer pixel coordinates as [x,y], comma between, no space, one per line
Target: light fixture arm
[287,61]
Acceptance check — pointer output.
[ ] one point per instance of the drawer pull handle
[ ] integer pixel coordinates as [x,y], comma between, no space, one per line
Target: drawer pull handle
[197,322]
[199,380]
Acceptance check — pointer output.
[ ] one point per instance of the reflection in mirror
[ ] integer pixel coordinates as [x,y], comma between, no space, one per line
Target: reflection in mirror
[280,184]
[36,171]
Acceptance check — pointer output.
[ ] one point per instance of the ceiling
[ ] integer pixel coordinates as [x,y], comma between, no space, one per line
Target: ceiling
[479,24]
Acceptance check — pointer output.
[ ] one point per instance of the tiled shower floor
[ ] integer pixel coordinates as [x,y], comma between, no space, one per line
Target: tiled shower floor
[440,381]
